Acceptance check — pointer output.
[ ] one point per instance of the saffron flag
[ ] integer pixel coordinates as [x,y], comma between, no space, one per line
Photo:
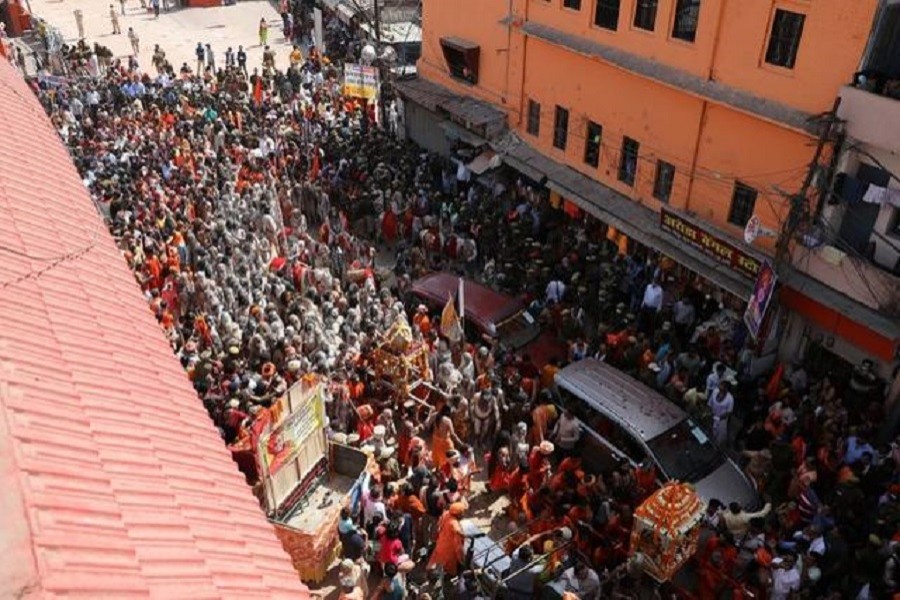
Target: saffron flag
[450,325]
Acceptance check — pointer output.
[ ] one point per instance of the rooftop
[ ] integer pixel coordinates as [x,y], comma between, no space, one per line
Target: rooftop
[114,482]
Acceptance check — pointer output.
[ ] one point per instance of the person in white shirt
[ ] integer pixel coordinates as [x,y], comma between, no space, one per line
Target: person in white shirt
[721,403]
[650,306]
[785,578]
[712,381]
[582,581]
[555,291]
[566,433]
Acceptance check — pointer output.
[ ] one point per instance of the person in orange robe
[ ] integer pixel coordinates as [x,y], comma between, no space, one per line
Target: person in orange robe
[501,470]
[449,547]
[539,465]
[389,227]
[154,270]
[542,416]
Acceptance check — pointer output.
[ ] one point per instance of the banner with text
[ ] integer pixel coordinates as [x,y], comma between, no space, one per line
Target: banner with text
[717,247]
[360,81]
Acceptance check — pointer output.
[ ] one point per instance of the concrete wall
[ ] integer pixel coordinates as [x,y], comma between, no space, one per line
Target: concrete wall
[711,145]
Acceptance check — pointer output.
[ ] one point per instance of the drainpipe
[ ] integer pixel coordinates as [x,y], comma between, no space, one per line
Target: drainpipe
[509,7]
[710,70]
[524,63]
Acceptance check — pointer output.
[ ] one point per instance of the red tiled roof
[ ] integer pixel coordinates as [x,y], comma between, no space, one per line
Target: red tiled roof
[113,481]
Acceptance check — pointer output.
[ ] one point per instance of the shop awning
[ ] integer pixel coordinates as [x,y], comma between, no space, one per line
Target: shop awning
[455,132]
[483,162]
[634,220]
[865,328]
[524,168]
[476,114]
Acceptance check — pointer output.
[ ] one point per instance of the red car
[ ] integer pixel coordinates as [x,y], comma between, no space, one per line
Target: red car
[488,312]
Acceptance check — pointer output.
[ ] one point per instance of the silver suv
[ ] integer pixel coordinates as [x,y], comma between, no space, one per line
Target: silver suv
[623,420]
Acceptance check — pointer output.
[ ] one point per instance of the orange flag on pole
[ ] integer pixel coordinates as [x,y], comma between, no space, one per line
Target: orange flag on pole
[450,325]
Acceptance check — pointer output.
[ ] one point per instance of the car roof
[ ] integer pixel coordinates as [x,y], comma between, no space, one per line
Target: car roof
[644,411]
[484,306]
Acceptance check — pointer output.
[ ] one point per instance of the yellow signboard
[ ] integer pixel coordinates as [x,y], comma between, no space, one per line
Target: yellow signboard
[360,81]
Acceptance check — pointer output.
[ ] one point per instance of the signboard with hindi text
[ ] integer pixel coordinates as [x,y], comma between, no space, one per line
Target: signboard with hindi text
[360,81]
[292,443]
[716,246]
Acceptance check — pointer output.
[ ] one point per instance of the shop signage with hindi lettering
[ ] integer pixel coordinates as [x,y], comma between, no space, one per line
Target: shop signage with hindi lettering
[283,441]
[717,247]
[360,81]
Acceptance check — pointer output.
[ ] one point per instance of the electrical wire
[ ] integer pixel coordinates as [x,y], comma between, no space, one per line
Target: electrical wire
[59,260]
[843,245]
[887,241]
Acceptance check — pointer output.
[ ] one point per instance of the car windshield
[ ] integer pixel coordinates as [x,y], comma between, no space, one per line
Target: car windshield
[518,330]
[685,452]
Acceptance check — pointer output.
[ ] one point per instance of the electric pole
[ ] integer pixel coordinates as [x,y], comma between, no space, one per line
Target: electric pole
[798,208]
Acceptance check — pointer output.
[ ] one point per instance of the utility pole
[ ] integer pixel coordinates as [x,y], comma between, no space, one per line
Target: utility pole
[798,201]
[382,71]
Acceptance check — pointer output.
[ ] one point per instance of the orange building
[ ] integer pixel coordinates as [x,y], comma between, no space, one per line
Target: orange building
[673,121]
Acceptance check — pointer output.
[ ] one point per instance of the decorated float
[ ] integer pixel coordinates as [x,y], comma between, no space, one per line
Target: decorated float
[303,479]
[666,530]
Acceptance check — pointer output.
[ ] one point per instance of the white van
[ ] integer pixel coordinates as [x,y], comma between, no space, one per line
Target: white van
[626,421]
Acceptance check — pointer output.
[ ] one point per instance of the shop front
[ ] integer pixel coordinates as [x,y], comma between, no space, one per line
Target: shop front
[439,121]
[834,333]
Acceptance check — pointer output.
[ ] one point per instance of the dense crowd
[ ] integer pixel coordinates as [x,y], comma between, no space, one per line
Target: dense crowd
[256,207]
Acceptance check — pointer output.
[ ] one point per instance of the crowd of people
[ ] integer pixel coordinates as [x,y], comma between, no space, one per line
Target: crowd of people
[256,207]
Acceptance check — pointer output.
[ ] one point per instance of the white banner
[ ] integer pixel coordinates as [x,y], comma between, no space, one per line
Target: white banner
[320,38]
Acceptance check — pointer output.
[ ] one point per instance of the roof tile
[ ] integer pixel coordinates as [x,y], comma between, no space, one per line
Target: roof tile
[115,483]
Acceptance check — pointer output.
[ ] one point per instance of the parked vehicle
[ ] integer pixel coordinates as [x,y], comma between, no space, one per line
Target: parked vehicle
[490,313]
[626,421]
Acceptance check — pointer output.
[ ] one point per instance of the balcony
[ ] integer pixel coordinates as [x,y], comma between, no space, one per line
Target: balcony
[872,118]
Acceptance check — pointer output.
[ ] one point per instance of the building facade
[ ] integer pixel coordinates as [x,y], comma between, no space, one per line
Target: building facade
[673,121]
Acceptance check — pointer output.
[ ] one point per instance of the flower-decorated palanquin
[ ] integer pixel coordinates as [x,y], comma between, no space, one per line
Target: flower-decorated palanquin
[666,529]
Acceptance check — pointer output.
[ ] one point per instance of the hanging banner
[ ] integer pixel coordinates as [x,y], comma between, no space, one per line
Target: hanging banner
[360,81]
[763,290]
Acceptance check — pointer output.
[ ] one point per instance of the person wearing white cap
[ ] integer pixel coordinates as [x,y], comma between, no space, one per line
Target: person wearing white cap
[357,572]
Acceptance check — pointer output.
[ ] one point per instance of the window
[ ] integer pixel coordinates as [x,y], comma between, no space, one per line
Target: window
[607,14]
[884,57]
[743,201]
[561,128]
[534,118]
[462,58]
[787,27]
[687,14]
[592,144]
[573,4]
[645,14]
[628,160]
[662,185]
